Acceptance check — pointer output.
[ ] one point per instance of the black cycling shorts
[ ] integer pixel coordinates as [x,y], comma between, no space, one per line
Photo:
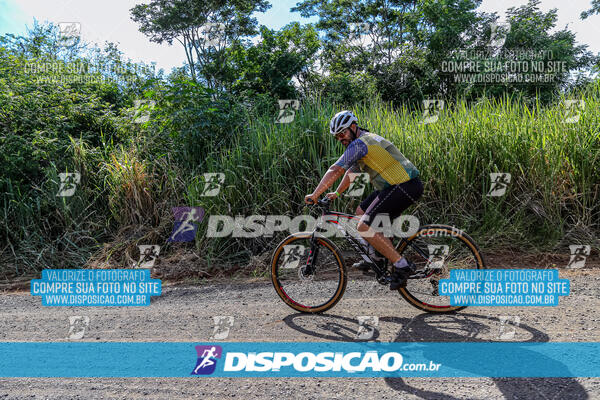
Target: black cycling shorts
[392,200]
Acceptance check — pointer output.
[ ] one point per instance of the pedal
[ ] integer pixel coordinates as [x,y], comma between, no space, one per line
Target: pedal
[418,275]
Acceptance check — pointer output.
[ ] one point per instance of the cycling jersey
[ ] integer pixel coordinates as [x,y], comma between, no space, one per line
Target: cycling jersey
[384,163]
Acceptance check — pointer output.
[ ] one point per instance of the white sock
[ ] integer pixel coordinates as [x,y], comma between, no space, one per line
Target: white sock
[401,263]
[371,250]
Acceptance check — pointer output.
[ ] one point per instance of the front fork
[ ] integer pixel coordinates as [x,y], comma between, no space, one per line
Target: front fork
[309,268]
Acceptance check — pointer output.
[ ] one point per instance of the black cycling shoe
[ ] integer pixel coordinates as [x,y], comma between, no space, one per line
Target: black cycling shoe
[400,275]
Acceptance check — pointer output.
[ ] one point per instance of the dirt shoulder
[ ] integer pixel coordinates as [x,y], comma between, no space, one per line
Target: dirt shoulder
[185,313]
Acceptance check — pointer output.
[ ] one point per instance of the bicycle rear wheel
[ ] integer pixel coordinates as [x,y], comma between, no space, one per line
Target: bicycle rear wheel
[436,250]
[308,287]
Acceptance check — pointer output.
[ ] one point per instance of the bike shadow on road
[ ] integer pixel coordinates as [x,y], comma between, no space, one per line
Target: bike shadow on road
[446,328]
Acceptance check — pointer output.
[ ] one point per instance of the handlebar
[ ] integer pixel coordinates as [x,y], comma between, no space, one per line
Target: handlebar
[321,202]
[324,203]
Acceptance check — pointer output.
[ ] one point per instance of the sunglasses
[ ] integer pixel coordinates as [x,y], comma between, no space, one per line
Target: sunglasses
[340,134]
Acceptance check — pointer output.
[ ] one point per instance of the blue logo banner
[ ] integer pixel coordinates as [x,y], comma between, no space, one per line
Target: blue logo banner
[96,287]
[281,359]
[207,359]
[504,287]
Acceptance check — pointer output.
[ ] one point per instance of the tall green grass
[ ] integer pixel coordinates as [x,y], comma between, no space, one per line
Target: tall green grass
[552,200]
[127,192]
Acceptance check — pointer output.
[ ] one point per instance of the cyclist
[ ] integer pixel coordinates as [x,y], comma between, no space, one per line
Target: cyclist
[394,177]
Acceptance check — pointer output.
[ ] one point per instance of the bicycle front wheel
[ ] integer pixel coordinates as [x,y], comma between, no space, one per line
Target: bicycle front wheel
[309,287]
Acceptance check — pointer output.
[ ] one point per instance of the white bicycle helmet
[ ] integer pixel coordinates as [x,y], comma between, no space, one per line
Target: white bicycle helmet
[341,121]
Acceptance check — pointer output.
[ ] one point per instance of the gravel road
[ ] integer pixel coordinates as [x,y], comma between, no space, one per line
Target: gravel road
[186,314]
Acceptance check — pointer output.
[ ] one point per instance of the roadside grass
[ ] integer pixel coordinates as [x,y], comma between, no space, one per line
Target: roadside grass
[551,201]
[127,191]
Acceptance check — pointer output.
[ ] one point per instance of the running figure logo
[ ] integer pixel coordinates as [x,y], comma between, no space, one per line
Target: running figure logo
[500,181]
[573,109]
[142,109]
[212,33]
[148,255]
[367,325]
[498,33]
[431,110]
[287,111]
[358,31]
[223,324]
[77,326]
[69,33]
[579,253]
[292,255]
[207,359]
[212,183]
[505,320]
[358,183]
[186,219]
[68,183]
[437,255]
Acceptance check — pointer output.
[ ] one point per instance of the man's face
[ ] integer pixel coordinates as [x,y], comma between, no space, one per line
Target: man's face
[345,136]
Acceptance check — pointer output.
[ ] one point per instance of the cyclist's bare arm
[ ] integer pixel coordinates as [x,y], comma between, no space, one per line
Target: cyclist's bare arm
[346,181]
[346,162]
[333,174]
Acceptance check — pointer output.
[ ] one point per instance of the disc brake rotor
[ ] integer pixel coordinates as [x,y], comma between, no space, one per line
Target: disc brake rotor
[304,276]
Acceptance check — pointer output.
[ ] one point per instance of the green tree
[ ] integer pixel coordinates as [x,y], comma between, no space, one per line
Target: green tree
[406,46]
[594,10]
[556,56]
[360,33]
[205,28]
[270,66]
[399,42]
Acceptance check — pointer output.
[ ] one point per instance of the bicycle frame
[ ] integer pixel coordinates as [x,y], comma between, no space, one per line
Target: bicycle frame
[421,251]
[333,217]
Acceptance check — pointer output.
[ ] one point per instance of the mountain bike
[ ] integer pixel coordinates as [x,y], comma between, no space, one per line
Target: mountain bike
[309,273]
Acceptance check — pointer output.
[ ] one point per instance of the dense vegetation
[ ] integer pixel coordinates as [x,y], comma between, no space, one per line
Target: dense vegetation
[66,109]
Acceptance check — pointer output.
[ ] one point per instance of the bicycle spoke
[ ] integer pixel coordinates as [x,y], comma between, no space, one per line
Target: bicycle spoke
[304,285]
[444,254]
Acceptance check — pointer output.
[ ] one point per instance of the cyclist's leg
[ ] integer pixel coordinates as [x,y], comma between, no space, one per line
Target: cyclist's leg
[391,201]
[360,210]
[377,239]
[375,256]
